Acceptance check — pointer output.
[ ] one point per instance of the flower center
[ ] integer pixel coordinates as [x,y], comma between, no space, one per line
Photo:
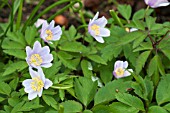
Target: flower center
[36,59]
[119,72]
[37,84]
[95,28]
[50,35]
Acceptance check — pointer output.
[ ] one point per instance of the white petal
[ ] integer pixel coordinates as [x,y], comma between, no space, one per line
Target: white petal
[118,64]
[104,32]
[39,22]
[126,73]
[46,65]
[101,21]
[48,83]
[32,95]
[125,64]
[95,17]
[37,47]
[47,58]
[40,92]
[32,72]
[28,51]
[163,4]
[99,39]
[146,1]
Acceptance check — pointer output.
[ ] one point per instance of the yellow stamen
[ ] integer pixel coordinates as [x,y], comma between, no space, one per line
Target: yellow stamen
[37,84]
[36,59]
[95,28]
[50,35]
[119,72]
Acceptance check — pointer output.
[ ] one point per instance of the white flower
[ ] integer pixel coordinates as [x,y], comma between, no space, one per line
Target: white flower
[120,69]
[157,3]
[39,22]
[34,87]
[96,28]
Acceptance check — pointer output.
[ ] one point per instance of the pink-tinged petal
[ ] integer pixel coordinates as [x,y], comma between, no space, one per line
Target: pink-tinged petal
[32,73]
[36,47]
[104,32]
[48,83]
[118,64]
[46,65]
[32,95]
[95,17]
[99,39]
[47,58]
[40,92]
[101,22]
[41,74]
[28,51]
[51,25]
[125,64]
[39,22]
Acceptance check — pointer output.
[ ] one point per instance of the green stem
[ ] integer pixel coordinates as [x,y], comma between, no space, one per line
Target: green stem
[146,10]
[12,16]
[65,8]
[19,15]
[82,26]
[32,14]
[48,9]
[115,17]
[82,17]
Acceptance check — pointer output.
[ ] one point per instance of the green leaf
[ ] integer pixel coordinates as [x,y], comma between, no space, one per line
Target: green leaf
[2,99]
[17,66]
[73,47]
[138,41]
[140,14]
[14,83]
[141,61]
[87,111]
[30,34]
[166,53]
[15,45]
[17,107]
[97,59]
[118,107]
[101,109]
[152,66]
[156,109]
[150,22]
[86,68]
[85,89]
[72,106]
[125,11]
[130,100]
[163,90]
[167,107]
[17,53]
[5,88]
[49,100]
[108,92]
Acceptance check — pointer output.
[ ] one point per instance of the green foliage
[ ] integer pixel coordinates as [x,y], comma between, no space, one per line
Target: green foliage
[125,11]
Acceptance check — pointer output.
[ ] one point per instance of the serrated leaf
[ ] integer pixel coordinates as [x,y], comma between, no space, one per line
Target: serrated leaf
[15,45]
[141,61]
[97,59]
[85,89]
[140,39]
[17,53]
[49,100]
[118,107]
[71,106]
[125,11]
[156,109]
[163,90]
[86,68]
[17,66]
[5,88]
[150,22]
[14,83]
[108,92]
[30,34]
[130,100]
[167,107]
[166,52]
[101,109]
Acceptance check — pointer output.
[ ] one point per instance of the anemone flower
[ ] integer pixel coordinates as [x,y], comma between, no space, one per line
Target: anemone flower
[34,87]
[120,69]
[39,56]
[96,28]
[50,33]
[157,3]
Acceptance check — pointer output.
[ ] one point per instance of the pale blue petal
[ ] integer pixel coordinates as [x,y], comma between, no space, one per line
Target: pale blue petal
[104,32]
[95,17]
[48,83]
[99,39]
[32,95]
[41,74]
[125,64]
[46,65]
[126,73]
[28,51]
[101,22]
[56,30]
[40,92]
[36,47]
[26,82]
[44,51]
[47,58]
[32,72]
[56,37]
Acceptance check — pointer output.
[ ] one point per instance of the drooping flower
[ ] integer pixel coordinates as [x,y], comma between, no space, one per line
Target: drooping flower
[39,56]
[96,28]
[157,3]
[39,22]
[34,87]
[50,33]
[120,69]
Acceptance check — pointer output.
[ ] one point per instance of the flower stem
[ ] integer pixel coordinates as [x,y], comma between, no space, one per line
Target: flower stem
[19,15]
